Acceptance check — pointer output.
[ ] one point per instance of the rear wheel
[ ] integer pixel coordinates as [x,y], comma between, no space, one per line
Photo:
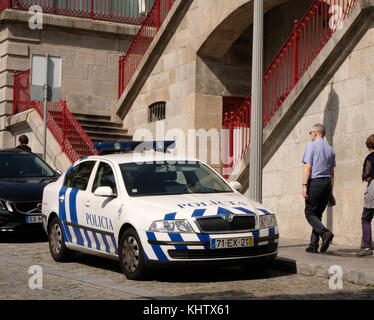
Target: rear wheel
[57,247]
[131,256]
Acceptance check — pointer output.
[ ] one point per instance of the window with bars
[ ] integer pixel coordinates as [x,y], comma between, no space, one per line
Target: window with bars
[157,111]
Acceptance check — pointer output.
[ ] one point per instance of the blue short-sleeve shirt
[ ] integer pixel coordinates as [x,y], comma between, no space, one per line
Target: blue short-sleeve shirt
[321,156]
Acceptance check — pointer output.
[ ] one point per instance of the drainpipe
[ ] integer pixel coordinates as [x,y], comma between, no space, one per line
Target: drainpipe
[255,157]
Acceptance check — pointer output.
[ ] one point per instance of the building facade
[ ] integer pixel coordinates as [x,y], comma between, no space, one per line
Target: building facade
[197,67]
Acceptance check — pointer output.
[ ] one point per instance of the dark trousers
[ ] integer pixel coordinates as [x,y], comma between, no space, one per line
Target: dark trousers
[318,191]
[367,216]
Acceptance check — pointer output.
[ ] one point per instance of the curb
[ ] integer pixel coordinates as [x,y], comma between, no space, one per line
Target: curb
[321,270]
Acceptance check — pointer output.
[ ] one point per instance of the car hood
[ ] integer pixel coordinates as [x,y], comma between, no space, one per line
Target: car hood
[187,206]
[22,189]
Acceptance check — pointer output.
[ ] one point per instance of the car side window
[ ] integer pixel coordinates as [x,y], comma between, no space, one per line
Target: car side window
[79,176]
[104,178]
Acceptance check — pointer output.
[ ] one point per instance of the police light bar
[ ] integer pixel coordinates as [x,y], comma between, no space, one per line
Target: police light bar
[110,147]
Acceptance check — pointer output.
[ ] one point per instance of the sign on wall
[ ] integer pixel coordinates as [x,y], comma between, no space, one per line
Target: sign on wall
[38,75]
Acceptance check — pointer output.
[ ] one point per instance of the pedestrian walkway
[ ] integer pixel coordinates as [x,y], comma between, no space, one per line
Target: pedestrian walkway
[293,258]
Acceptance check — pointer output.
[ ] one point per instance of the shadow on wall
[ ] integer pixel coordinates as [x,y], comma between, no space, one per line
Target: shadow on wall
[330,120]
[331,115]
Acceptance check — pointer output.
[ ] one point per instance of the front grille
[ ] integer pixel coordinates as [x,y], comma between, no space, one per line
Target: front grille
[28,207]
[218,224]
[223,253]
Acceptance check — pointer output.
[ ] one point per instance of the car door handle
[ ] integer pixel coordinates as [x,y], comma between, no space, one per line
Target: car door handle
[87,203]
[62,198]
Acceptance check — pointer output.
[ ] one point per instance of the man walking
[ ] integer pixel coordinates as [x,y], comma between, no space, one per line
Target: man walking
[318,181]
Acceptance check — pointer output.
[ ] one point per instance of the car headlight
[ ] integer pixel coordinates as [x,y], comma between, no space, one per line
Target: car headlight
[267,221]
[6,206]
[171,226]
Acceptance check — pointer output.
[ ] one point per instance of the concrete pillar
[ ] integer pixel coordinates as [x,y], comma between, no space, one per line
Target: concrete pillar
[255,166]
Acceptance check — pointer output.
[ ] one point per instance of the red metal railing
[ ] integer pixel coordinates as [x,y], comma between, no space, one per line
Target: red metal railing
[309,36]
[129,62]
[125,11]
[4,4]
[60,121]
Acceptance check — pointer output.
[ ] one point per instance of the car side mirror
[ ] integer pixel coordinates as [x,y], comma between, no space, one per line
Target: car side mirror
[236,186]
[58,173]
[105,192]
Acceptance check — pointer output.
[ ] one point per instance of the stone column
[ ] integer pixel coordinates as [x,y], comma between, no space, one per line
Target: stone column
[255,165]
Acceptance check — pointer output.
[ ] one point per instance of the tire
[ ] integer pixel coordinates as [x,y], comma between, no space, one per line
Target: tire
[57,247]
[131,256]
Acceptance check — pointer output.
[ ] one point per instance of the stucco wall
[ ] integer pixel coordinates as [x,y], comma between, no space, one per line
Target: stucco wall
[345,106]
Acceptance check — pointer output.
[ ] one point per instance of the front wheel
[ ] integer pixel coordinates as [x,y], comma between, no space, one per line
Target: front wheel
[57,247]
[131,256]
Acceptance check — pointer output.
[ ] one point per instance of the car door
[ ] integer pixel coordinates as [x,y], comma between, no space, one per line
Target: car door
[72,195]
[101,213]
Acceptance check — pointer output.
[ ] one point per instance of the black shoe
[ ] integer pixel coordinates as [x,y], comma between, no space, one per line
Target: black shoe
[326,239]
[311,250]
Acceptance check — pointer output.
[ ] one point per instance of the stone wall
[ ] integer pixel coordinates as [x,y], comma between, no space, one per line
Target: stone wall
[345,107]
[29,123]
[89,51]
[200,64]
[230,74]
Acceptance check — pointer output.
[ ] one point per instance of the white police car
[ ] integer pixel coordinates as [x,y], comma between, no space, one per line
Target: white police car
[129,207]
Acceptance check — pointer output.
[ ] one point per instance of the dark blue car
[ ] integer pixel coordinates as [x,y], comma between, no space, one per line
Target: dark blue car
[23,176]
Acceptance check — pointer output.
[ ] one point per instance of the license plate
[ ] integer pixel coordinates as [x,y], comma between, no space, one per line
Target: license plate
[34,219]
[231,243]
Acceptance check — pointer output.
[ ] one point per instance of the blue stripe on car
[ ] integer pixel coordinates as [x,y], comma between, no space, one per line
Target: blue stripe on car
[264,211]
[62,215]
[170,216]
[177,237]
[156,248]
[107,248]
[221,210]
[73,215]
[198,212]
[96,240]
[88,239]
[271,233]
[244,210]
[204,238]
[255,234]
[114,244]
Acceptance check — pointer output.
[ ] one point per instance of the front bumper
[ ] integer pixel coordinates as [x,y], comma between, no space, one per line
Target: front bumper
[163,247]
[257,260]
[16,221]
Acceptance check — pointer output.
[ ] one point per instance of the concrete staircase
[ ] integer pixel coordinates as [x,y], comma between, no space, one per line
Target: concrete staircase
[101,128]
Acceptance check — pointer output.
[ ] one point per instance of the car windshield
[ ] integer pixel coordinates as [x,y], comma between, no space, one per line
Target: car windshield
[21,165]
[153,178]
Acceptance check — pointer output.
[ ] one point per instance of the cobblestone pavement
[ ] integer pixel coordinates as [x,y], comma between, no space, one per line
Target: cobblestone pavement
[89,277]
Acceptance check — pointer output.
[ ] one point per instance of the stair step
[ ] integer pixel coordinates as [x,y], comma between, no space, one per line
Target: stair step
[103,128]
[91,116]
[96,138]
[100,128]
[96,120]
[100,123]
[97,131]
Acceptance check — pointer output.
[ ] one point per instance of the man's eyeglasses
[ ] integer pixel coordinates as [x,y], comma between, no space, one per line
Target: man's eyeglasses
[310,132]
